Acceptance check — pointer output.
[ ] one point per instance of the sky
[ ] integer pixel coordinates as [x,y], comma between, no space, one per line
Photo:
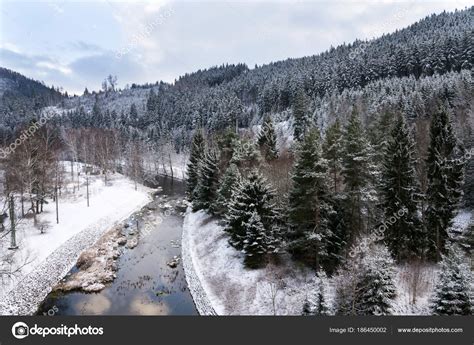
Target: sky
[76,44]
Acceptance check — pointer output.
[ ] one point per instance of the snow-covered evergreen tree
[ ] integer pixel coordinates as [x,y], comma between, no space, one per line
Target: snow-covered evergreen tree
[267,140]
[317,303]
[453,291]
[337,242]
[228,184]
[309,206]
[300,114]
[257,242]
[404,236]
[252,195]
[356,172]
[245,155]
[206,189]
[376,287]
[379,133]
[197,151]
[445,177]
[333,153]
[365,285]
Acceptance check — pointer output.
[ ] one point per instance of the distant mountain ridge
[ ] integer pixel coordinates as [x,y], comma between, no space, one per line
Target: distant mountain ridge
[331,82]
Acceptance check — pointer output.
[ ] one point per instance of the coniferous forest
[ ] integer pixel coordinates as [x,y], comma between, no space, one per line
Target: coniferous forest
[351,163]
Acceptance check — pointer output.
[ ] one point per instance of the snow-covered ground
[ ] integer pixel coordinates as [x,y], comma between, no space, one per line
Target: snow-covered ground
[161,165]
[462,221]
[231,288]
[47,256]
[219,281]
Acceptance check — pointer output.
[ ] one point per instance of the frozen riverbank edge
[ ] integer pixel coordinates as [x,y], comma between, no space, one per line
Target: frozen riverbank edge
[34,287]
[200,297]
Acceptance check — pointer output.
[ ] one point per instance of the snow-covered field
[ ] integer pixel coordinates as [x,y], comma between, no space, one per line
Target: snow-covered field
[219,281]
[47,256]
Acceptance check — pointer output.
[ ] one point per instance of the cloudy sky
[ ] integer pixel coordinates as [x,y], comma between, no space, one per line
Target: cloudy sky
[75,44]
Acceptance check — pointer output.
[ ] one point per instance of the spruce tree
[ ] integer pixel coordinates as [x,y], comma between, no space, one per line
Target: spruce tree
[333,153]
[445,177]
[337,241]
[245,155]
[356,172]
[365,285]
[267,140]
[309,206]
[376,288]
[197,151]
[379,133]
[258,241]
[300,114]
[228,185]
[316,303]
[453,290]
[253,194]
[206,189]
[404,236]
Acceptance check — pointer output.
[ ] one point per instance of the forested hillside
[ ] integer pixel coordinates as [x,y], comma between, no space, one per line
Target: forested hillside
[20,98]
[356,162]
[393,72]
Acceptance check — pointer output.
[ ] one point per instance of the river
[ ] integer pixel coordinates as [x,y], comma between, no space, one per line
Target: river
[145,284]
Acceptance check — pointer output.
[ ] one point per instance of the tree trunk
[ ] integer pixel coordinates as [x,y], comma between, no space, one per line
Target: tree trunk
[13,244]
[57,205]
[87,189]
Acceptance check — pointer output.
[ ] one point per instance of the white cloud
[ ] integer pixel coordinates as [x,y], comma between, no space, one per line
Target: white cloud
[160,40]
[54,66]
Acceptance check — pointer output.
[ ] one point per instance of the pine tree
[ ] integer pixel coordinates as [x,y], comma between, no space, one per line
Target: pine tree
[333,153]
[300,114]
[317,302]
[197,150]
[267,140]
[376,288]
[379,134]
[356,172]
[453,291]
[404,236]
[445,177]
[337,241]
[258,241]
[245,155]
[228,185]
[133,116]
[206,189]
[227,143]
[365,286]
[252,195]
[309,206]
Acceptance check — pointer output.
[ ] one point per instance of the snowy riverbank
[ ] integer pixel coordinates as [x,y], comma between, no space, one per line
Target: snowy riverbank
[202,302]
[50,255]
[219,281]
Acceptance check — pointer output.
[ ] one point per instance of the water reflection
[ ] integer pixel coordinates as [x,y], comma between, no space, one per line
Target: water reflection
[145,284]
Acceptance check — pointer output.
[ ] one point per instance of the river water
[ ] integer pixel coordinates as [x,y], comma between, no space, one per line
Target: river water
[145,284]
